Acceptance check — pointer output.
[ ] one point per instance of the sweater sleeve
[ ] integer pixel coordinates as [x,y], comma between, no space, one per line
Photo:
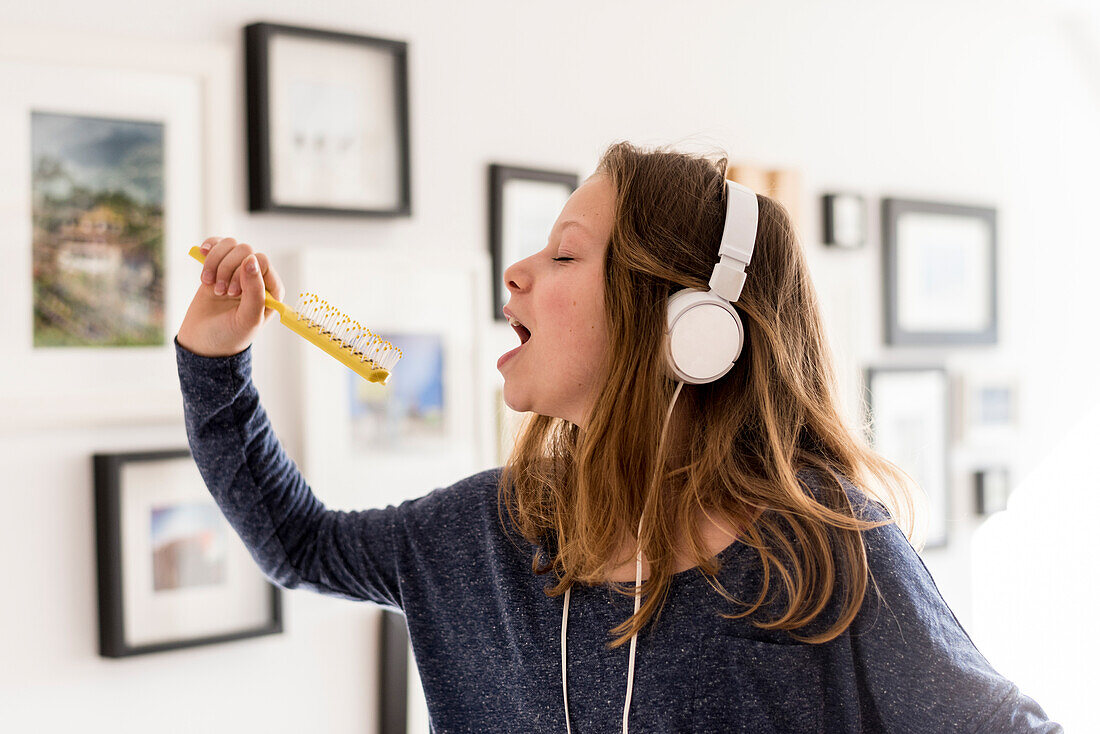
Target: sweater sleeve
[917,664]
[293,538]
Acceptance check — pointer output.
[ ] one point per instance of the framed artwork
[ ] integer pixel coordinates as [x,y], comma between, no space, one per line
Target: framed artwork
[524,203]
[989,408]
[328,122]
[940,273]
[992,486]
[171,571]
[367,444]
[845,220]
[105,168]
[910,414]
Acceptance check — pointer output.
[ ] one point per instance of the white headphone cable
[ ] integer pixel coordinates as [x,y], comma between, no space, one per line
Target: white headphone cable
[637,604]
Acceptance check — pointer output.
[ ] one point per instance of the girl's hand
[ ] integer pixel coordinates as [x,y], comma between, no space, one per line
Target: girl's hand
[228,308]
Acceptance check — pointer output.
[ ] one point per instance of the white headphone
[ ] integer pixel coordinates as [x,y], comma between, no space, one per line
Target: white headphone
[705,334]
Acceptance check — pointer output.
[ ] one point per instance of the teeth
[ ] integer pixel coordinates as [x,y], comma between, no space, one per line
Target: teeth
[512,320]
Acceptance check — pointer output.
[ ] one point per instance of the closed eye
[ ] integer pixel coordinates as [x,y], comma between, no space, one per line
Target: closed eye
[560,259]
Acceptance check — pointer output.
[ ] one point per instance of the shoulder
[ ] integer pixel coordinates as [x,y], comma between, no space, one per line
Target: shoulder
[863,504]
[454,503]
[889,551]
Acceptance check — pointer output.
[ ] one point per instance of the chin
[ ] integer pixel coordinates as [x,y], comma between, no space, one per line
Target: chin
[514,402]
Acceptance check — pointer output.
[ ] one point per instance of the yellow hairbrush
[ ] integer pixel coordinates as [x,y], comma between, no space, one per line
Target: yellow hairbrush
[330,329]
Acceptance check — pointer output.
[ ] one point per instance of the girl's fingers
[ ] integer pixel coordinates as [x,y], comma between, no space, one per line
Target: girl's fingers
[251,310]
[272,282]
[214,257]
[228,266]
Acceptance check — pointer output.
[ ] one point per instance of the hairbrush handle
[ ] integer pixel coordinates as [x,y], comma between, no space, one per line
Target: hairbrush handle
[306,329]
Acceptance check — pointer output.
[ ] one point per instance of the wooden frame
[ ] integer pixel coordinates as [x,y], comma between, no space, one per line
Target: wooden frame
[270,191]
[123,633]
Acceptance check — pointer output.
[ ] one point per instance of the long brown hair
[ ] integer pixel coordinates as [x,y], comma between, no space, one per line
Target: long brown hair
[579,493]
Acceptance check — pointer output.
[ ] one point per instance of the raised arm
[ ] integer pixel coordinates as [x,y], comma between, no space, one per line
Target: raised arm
[294,539]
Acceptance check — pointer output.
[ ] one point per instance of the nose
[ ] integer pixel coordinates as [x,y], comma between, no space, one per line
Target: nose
[515,277]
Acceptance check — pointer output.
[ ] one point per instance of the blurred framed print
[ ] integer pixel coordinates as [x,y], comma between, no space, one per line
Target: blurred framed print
[909,410]
[845,220]
[992,486]
[421,429]
[990,407]
[105,162]
[172,573]
[328,122]
[524,203]
[940,277]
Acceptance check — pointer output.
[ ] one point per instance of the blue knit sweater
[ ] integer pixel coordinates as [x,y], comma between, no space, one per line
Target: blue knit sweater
[486,638]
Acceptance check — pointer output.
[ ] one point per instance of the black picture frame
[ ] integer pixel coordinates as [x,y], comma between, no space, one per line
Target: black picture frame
[844,220]
[393,673]
[938,484]
[114,625]
[505,253]
[948,295]
[992,488]
[262,168]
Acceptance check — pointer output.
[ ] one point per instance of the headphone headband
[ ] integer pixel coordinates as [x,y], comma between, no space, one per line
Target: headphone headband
[738,241]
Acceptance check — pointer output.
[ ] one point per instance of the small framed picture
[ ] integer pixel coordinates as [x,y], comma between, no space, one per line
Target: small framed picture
[328,122]
[992,486]
[845,220]
[172,573]
[524,203]
[910,416]
[940,275]
[989,408]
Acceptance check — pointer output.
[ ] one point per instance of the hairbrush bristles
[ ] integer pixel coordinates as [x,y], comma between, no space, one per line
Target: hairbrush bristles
[348,333]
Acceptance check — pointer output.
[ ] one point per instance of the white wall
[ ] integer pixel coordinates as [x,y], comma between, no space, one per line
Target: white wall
[979,101]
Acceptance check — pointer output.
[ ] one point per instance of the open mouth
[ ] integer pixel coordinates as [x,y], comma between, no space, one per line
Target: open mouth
[523,331]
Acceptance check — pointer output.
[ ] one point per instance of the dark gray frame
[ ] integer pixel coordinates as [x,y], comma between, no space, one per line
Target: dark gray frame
[393,671]
[982,502]
[892,208]
[828,224]
[257,93]
[500,174]
[112,639]
[868,402]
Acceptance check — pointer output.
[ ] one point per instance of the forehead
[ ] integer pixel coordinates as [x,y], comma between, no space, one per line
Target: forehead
[587,213]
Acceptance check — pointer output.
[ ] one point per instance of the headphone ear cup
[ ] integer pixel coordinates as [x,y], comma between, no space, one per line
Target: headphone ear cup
[705,335]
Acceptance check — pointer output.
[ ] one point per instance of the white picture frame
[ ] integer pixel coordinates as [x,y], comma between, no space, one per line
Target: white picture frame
[171,571]
[185,87]
[989,408]
[391,294]
[911,424]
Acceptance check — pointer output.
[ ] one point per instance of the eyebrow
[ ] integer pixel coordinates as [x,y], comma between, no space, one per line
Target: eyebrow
[572,222]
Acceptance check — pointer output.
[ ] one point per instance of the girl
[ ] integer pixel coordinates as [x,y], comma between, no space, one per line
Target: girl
[743,508]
